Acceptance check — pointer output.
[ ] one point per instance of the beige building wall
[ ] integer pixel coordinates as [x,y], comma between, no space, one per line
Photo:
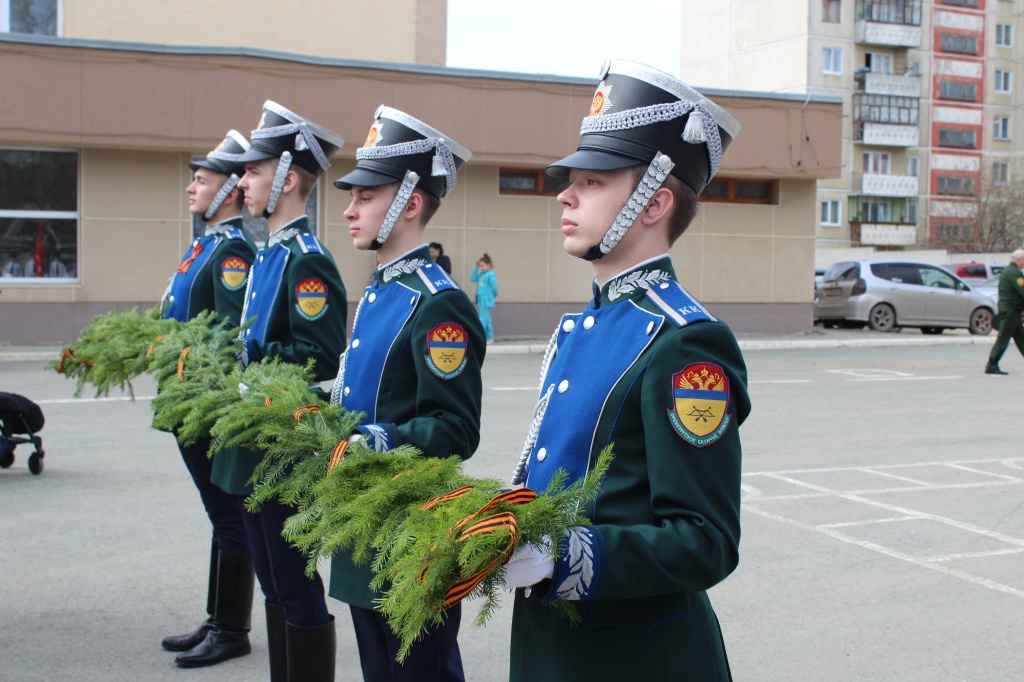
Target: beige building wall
[412,31]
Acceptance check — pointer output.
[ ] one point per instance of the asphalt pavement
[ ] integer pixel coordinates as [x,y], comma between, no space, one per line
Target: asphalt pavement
[883,528]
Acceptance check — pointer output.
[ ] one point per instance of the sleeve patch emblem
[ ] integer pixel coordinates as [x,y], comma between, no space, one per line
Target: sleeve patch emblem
[700,400]
[311,298]
[234,272]
[446,350]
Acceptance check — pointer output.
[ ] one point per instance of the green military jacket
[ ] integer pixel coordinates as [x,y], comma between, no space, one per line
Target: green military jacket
[299,304]
[648,370]
[212,275]
[1011,290]
[413,367]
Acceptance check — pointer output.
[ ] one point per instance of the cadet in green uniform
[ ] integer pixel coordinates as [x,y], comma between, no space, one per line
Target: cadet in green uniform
[298,301]
[646,369]
[413,364]
[1011,306]
[212,276]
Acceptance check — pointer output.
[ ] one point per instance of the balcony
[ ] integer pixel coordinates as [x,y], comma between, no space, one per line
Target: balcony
[887,134]
[884,185]
[888,84]
[883,234]
[896,23]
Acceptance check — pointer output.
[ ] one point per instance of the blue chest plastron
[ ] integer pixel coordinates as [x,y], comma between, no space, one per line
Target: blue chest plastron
[383,314]
[594,349]
[265,282]
[180,294]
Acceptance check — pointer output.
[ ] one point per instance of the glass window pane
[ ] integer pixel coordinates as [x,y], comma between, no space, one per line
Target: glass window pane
[752,190]
[38,181]
[520,181]
[34,16]
[715,188]
[38,247]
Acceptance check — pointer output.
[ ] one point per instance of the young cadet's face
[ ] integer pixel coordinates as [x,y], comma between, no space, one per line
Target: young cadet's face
[366,213]
[203,189]
[590,204]
[256,183]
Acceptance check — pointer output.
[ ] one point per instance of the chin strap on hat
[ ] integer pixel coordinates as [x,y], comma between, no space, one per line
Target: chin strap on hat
[284,164]
[398,205]
[653,179]
[222,194]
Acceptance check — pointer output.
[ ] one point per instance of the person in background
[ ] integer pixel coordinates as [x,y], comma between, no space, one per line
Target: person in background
[486,292]
[1011,306]
[443,261]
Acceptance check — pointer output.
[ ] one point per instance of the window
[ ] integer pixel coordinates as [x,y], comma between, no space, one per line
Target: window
[528,181]
[955,42]
[886,109]
[39,17]
[954,232]
[967,92]
[1004,35]
[830,213]
[1001,128]
[878,62]
[831,11]
[1004,79]
[736,191]
[876,162]
[913,166]
[1000,173]
[914,69]
[832,61]
[956,185]
[957,138]
[38,214]
[906,12]
[933,277]
[961,3]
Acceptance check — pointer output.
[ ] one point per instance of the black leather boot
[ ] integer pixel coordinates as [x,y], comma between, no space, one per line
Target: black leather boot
[229,633]
[277,643]
[311,653]
[186,642]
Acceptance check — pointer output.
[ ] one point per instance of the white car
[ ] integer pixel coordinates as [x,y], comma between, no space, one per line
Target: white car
[887,295]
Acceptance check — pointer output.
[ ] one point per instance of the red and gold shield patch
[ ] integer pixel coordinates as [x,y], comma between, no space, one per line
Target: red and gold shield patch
[233,271]
[601,100]
[374,135]
[311,298]
[446,350]
[700,393]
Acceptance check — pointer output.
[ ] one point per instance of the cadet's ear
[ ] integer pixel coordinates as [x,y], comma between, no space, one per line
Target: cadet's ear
[659,207]
[291,181]
[414,207]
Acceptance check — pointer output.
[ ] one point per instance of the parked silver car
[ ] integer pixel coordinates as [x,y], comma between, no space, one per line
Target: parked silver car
[888,295]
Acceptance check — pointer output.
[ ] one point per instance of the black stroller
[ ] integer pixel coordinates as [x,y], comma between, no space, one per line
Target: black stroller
[19,415]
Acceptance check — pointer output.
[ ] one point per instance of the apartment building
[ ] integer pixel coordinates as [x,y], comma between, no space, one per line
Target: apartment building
[929,126]
[107,101]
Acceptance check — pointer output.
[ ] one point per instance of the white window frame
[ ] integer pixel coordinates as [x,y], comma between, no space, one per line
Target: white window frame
[832,61]
[1000,173]
[913,166]
[1004,80]
[877,163]
[881,62]
[5,17]
[831,213]
[1004,35]
[1001,128]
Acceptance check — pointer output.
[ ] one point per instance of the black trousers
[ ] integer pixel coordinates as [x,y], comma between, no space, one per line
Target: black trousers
[436,657]
[281,568]
[224,510]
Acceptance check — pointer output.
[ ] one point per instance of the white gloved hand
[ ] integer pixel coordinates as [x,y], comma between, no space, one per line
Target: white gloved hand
[242,390]
[529,565]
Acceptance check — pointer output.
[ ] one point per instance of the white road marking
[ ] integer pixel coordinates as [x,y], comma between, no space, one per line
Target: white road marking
[975,555]
[867,522]
[911,378]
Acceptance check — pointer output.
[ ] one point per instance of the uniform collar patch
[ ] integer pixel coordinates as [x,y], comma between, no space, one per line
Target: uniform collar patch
[700,402]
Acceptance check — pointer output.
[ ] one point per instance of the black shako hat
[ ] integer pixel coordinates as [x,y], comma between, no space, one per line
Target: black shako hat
[638,111]
[311,146]
[226,156]
[399,143]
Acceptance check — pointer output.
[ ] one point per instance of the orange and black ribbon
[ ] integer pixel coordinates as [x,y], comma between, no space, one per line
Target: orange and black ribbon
[187,263]
[68,355]
[307,409]
[181,364]
[150,349]
[337,454]
[267,402]
[468,527]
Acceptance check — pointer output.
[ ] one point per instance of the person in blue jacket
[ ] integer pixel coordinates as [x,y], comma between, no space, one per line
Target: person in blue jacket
[486,292]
